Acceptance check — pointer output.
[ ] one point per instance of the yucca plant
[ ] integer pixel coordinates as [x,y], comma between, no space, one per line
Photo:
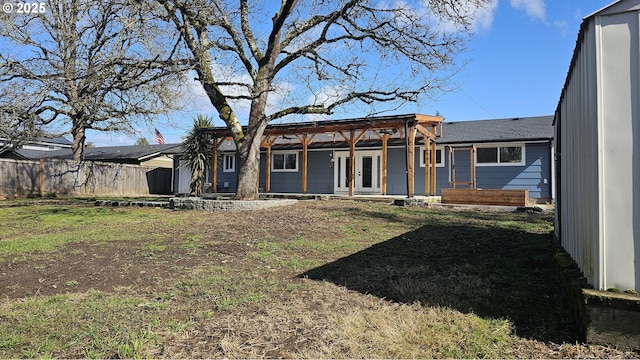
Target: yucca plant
[198,151]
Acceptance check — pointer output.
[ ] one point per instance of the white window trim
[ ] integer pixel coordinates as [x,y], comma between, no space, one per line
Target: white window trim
[498,146]
[233,163]
[438,163]
[285,153]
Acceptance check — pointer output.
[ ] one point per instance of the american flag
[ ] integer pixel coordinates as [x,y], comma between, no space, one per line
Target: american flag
[159,138]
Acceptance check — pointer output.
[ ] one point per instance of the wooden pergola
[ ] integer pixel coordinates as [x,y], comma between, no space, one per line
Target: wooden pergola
[407,127]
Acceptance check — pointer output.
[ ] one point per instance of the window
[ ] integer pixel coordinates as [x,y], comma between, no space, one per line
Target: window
[229,163]
[286,161]
[500,155]
[439,157]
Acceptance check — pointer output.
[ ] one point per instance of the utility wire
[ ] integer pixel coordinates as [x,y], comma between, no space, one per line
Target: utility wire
[477,103]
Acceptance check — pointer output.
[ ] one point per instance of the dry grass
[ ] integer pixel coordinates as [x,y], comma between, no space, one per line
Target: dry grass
[327,321]
[325,279]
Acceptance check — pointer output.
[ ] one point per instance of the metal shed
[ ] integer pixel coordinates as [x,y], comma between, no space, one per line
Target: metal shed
[597,134]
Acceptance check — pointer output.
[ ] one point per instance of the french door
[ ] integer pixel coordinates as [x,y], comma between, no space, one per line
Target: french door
[367,172]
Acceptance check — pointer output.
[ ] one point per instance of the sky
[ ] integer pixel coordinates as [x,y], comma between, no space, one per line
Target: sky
[516,65]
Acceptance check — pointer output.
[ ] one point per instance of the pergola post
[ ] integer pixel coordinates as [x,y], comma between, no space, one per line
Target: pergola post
[305,140]
[214,166]
[385,140]
[352,161]
[266,143]
[267,174]
[411,162]
[433,166]
[427,165]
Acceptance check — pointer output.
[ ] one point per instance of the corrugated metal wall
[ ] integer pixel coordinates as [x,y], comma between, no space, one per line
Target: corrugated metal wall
[597,121]
[578,195]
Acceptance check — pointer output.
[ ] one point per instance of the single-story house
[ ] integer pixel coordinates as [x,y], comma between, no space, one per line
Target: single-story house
[40,144]
[506,154]
[151,155]
[597,134]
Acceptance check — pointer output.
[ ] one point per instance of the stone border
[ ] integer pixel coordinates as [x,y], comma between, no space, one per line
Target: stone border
[196,203]
[141,203]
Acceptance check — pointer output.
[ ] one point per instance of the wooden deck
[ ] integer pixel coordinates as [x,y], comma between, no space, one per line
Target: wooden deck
[486,197]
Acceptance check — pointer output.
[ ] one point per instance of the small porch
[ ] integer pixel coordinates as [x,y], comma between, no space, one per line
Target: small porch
[356,170]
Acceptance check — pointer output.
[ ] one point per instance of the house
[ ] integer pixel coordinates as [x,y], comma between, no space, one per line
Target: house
[40,144]
[509,154]
[597,135]
[151,155]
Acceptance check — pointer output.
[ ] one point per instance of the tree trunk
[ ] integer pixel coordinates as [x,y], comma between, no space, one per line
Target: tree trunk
[79,137]
[249,163]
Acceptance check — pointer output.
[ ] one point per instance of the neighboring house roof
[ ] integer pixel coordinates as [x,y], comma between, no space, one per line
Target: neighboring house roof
[497,130]
[62,141]
[58,140]
[131,154]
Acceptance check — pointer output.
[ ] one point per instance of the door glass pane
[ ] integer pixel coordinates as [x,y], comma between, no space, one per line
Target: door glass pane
[367,171]
[347,171]
[378,172]
[338,169]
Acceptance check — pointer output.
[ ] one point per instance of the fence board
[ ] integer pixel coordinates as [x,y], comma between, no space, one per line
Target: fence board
[64,177]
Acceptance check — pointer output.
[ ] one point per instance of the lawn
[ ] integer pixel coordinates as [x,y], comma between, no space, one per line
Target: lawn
[319,279]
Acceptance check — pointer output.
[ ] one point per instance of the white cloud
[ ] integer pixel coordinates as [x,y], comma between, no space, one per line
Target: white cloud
[562,26]
[481,17]
[533,8]
[484,16]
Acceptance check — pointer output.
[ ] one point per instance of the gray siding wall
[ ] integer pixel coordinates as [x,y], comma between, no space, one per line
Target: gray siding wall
[396,171]
[462,161]
[320,174]
[287,181]
[531,176]
[225,177]
[182,176]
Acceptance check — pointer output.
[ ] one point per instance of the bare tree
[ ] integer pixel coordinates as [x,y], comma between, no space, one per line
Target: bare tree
[311,57]
[79,64]
[16,125]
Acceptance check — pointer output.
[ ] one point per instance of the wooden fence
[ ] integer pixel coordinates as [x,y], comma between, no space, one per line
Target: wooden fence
[65,177]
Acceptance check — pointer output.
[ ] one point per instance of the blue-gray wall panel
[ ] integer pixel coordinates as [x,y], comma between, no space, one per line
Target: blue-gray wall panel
[287,181]
[225,177]
[396,172]
[320,172]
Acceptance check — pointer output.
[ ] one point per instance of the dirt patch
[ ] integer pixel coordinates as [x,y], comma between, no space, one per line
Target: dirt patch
[85,265]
